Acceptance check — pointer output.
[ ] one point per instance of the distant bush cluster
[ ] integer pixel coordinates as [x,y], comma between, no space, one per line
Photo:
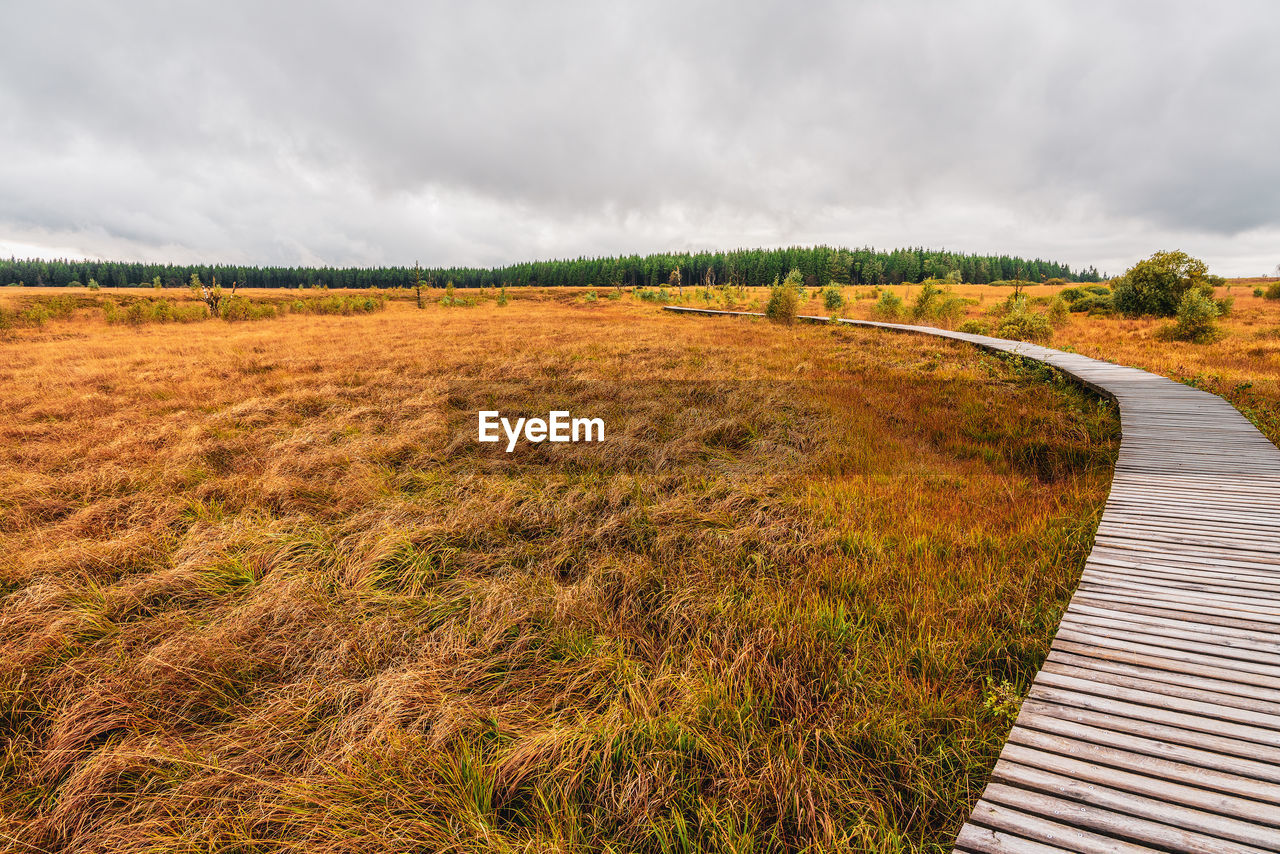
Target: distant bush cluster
[37,312]
[1092,299]
[935,301]
[652,294]
[339,304]
[234,308]
[154,311]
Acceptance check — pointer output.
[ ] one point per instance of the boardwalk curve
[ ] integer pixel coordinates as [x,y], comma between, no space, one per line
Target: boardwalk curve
[1154,724]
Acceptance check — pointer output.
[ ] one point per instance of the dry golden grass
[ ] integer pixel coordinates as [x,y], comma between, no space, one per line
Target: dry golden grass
[1243,365]
[262,590]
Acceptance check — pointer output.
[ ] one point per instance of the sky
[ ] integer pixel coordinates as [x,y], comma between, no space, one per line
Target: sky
[484,133]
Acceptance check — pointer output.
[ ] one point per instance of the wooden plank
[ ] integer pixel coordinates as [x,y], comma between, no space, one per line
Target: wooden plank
[1156,768]
[1138,604]
[1113,826]
[1235,659]
[1240,671]
[1251,726]
[1196,757]
[1160,681]
[1011,830]
[1263,642]
[1249,684]
[1155,804]
[1144,726]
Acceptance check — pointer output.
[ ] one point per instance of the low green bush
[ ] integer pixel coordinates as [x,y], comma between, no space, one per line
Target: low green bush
[1196,319]
[139,312]
[1015,320]
[1093,304]
[339,304]
[238,308]
[1025,326]
[888,307]
[832,297]
[1059,315]
[782,305]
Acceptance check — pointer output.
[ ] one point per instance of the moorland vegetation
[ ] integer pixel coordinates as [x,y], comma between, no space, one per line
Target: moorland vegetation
[262,591]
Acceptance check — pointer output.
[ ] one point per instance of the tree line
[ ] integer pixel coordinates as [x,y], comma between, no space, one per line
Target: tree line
[820,266]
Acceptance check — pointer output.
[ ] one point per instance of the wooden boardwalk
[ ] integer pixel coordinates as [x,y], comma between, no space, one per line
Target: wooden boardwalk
[1155,722]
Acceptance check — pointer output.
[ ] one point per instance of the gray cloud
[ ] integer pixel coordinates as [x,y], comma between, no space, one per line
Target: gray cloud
[490,132]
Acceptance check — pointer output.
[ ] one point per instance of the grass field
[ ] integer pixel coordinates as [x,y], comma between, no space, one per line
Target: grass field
[1243,365]
[263,591]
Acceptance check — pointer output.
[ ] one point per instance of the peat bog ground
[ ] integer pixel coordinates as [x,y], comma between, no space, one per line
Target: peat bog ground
[262,590]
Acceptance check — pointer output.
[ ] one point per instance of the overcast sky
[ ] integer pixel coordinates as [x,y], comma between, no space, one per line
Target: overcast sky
[483,133]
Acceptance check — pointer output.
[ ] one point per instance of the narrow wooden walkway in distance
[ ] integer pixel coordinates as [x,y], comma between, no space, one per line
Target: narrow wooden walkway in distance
[1155,722]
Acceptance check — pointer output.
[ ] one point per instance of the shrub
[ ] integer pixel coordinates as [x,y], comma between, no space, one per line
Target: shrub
[502,296]
[1225,305]
[154,311]
[795,281]
[1257,292]
[888,307]
[976,327]
[93,285]
[1273,291]
[951,309]
[1087,298]
[590,296]
[1158,284]
[832,297]
[238,308]
[1093,304]
[1008,304]
[1059,314]
[926,301]
[1017,322]
[1025,326]
[783,301]
[344,305]
[1196,315]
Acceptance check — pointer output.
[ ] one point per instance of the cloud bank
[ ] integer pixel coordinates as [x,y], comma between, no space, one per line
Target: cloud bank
[487,132]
